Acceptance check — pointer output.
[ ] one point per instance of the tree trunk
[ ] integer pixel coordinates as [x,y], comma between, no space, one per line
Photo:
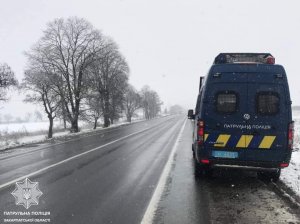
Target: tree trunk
[76,114]
[128,118]
[106,121]
[95,123]
[65,122]
[64,115]
[50,130]
[106,112]
[74,125]
[147,114]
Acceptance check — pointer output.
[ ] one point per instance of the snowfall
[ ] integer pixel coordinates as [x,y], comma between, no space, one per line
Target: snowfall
[290,176]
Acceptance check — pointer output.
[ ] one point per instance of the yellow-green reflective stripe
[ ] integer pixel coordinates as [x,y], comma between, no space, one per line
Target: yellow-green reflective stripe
[244,141]
[222,140]
[267,142]
[248,139]
[205,136]
[241,142]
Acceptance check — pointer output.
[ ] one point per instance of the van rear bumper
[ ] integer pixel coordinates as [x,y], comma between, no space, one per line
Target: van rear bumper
[250,168]
[250,165]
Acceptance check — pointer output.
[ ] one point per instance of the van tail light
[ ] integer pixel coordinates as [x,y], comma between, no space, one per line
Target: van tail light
[283,165]
[204,161]
[200,132]
[291,135]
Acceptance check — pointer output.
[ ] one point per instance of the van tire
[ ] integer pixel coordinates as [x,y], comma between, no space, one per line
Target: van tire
[269,176]
[198,169]
[202,171]
[209,172]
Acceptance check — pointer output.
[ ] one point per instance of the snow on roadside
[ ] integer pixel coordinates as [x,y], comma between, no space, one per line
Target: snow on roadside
[291,175]
[39,138]
[41,126]
[28,127]
[7,144]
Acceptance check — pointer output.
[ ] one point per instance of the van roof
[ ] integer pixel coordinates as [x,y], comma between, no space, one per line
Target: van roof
[232,58]
[247,68]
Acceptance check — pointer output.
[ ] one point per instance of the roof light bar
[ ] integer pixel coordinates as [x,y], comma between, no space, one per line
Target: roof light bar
[270,60]
[231,58]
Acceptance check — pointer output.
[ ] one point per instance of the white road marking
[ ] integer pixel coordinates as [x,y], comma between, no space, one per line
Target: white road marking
[70,158]
[151,209]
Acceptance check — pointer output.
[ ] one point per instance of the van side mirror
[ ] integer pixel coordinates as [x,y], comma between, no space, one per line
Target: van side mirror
[191,114]
[201,82]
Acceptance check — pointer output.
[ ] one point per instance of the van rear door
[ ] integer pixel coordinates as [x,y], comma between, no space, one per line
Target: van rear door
[268,118]
[226,104]
[248,114]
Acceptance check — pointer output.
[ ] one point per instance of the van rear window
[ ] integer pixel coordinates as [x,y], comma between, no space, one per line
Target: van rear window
[267,103]
[226,102]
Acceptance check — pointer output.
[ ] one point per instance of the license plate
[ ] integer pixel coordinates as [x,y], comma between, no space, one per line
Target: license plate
[223,154]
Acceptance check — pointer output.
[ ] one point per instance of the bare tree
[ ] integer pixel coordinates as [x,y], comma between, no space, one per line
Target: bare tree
[117,96]
[61,113]
[93,110]
[69,47]
[7,80]
[38,115]
[41,91]
[109,77]
[132,102]
[150,102]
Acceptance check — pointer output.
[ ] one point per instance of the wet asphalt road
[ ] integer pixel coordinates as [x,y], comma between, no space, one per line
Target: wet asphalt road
[110,185]
[115,182]
[229,196]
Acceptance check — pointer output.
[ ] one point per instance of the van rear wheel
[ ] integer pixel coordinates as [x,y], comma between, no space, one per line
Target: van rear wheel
[202,170]
[269,175]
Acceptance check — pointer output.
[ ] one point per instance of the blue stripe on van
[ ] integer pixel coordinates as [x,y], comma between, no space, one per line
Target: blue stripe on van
[233,141]
[256,141]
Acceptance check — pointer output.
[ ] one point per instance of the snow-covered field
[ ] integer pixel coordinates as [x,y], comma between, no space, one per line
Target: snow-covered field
[15,134]
[291,175]
[26,127]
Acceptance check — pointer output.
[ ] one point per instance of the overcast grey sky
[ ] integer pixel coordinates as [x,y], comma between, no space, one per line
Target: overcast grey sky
[167,43]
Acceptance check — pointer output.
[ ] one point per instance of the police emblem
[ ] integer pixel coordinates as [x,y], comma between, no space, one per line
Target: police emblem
[27,193]
[246,116]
